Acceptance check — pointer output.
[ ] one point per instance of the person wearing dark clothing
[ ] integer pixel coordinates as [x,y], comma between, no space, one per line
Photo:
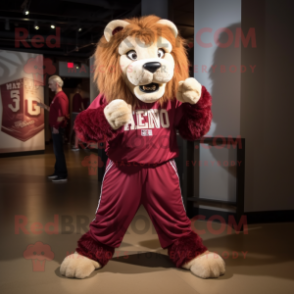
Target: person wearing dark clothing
[77,107]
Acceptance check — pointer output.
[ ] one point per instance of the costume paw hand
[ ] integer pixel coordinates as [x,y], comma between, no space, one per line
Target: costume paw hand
[207,265]
[189,91]
[78,266]
[117,113]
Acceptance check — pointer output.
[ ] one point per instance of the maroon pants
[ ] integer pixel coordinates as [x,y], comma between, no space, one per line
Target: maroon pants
[124,189]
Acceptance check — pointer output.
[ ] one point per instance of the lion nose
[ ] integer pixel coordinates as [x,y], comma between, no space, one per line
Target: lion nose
[152,66]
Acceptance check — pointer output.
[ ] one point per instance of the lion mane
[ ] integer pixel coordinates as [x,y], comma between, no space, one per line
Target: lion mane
[108,73]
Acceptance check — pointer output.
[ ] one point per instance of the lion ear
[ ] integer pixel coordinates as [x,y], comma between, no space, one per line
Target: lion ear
[170,24]
[113,27]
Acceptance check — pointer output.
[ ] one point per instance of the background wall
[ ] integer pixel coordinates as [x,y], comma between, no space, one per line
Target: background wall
[267,106]
[218,69]
[255,102]
[93,86]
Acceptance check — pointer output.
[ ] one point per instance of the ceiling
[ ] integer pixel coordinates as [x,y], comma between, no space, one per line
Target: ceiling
[81,23]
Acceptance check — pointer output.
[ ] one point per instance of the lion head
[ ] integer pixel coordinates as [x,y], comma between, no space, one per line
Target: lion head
[140,58]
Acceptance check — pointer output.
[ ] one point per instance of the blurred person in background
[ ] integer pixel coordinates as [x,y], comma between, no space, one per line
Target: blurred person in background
[77,107]
[86,102]
[58,119]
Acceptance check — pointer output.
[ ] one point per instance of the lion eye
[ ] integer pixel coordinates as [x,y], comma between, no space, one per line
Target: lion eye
[132,55]
[160,53]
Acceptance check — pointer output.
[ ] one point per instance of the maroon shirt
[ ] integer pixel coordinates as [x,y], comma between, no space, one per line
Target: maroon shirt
[77,103]
[150,138]
[58,107]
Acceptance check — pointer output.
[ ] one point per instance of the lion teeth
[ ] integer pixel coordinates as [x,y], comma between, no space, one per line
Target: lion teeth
[149,88]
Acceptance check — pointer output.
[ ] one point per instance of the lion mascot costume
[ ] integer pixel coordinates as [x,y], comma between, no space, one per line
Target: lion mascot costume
[141,68]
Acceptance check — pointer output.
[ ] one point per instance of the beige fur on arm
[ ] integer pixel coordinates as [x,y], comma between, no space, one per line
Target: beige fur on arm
[189,91]
[117,113]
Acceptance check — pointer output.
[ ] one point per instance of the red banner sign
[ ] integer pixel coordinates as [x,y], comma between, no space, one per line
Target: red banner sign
[22,118]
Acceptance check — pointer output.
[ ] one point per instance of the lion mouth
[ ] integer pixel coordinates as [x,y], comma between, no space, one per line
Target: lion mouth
[150,88]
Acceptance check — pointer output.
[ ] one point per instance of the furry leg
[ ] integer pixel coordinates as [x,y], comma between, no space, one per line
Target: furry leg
[94,250]
[188,252]
[90,255]
[185,249]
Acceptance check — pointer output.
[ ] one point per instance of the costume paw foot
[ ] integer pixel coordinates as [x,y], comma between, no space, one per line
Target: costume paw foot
[189,91]
[207,265]
[78,266]
[118,113]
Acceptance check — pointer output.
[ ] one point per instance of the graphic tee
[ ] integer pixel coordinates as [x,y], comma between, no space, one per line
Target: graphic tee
[150,135]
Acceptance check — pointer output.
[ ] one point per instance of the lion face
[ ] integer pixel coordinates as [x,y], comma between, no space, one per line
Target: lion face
[140,59]
[146,68]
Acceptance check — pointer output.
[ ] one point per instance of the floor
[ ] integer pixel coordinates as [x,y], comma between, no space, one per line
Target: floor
[33,210]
